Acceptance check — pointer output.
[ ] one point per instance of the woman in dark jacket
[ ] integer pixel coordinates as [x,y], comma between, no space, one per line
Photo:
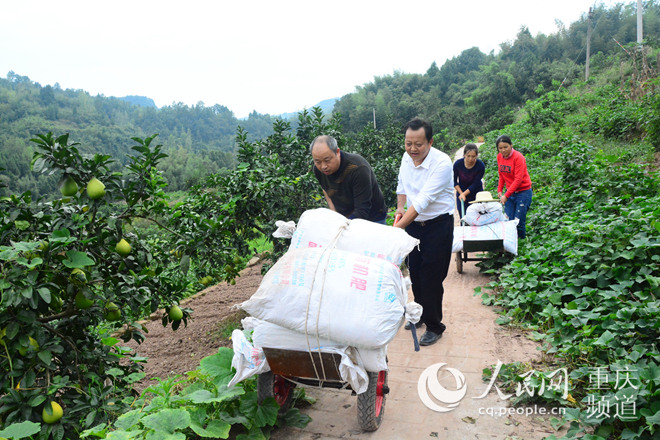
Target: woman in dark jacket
[468,175]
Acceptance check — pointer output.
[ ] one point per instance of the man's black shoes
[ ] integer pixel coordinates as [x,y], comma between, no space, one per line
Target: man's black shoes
[418,325]
[429,338]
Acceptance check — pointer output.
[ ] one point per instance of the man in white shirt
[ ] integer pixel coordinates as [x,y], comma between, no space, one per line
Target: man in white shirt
[426,189]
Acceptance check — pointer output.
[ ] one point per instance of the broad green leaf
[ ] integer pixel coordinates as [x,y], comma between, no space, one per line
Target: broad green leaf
[654,419]
[605,338]
[62,236]
[45,294]
[214,429]
[127,420]
[46,356]
[219,365]
[36,400]
[555,298]
[162,435]
[295,418]
[264,414]
[121,435]
[99,430]
[254,434]
[115,372]
[77,259]
[110,341]
[21,224]
[204,396]
[20,430]
[168,420]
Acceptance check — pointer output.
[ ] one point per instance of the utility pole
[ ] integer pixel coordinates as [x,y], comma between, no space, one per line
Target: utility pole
[586,68]
[640,26]
[374,118]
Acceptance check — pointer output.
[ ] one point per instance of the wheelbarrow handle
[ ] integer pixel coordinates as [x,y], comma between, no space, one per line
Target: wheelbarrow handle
[413,329]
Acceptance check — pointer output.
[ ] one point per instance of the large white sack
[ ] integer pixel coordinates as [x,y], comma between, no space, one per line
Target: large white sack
[505,231]
[338,295]
[321,227]
[271,335]
[484,213]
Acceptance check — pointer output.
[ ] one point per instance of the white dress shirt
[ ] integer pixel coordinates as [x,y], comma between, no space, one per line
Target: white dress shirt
[429,187]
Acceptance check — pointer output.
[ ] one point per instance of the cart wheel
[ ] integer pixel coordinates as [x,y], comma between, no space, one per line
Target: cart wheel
[371,403]
[273,385]
[459,263]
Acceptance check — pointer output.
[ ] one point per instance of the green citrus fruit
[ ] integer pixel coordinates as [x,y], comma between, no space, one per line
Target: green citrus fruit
[77,274]
[123,248]
[95,189]
[175,313]
[206,280]
[55,415]
[112,312]
[69,187]
[82,302]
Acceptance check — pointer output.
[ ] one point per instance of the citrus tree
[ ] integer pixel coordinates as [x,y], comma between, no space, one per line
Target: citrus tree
[77,275]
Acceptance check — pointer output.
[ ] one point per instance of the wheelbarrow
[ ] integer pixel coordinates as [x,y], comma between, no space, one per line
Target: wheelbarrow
[475,246]
[289,368]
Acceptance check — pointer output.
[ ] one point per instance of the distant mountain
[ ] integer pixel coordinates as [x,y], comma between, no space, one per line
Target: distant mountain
[142,101]
[327,105]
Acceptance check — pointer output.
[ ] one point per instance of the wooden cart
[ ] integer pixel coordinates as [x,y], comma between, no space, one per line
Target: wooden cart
[290,368]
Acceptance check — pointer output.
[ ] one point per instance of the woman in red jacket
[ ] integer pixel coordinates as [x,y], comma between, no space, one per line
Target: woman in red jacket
[512,170]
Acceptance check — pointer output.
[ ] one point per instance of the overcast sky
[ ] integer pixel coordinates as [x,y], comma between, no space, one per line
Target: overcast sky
[268,56]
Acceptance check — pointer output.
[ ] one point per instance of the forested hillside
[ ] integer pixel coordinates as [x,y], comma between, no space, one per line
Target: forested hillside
[199,140]
[476,92]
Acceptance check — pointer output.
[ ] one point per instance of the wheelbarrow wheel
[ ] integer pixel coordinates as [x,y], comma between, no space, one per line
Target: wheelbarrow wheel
[459,262]
[273,385]
[371,403]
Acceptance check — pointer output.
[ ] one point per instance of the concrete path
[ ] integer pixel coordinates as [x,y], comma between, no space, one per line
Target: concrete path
[471,343]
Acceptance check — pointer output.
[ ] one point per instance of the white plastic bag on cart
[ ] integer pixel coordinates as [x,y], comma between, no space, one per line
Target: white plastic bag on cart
[248,360]
[284,229]
[505,231]
[341,296]
[322,227]
[484,213]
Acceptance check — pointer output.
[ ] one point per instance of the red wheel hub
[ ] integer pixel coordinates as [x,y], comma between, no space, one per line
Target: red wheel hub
[281,389]
[380,392]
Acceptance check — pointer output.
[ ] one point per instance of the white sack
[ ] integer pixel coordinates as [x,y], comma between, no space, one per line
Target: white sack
[505,231]
[271,335]
[484,213]
[321,227]
[248,360]
[340,296]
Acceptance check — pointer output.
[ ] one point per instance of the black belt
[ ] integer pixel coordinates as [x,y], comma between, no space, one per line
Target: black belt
[433,220]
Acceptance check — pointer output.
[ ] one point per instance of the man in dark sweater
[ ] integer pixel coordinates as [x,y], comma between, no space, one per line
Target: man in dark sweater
[349,184]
